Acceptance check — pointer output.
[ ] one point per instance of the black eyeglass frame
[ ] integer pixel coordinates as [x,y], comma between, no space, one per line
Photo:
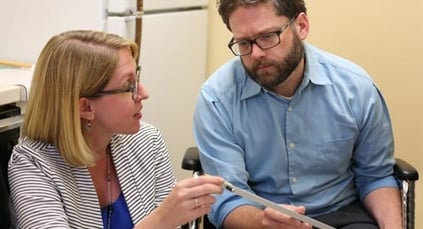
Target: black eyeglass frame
[232,42]
[133,88]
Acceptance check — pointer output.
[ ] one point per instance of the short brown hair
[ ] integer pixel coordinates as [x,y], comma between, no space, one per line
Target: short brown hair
[288,8]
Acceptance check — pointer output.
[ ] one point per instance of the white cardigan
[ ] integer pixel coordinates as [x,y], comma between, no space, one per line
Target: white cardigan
[48,193]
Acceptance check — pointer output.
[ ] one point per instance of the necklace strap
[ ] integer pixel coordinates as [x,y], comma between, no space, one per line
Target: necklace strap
[109,189]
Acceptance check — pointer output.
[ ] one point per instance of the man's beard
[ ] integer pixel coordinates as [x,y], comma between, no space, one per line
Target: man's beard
[270,79]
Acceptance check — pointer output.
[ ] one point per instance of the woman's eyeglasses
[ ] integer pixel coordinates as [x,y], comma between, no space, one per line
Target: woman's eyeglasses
[133,88]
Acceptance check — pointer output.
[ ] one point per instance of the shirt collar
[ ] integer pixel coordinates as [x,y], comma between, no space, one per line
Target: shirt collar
[313,71]
[251,88]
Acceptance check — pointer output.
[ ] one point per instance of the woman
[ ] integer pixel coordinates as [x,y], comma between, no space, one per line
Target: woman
[85,160]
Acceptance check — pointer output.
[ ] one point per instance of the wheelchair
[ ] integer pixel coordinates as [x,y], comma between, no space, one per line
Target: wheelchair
[404,171]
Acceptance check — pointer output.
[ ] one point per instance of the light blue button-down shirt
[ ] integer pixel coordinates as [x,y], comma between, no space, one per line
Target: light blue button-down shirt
[328,145]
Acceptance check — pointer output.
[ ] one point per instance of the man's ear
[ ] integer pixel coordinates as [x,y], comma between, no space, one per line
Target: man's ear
[302,25]
[85,109]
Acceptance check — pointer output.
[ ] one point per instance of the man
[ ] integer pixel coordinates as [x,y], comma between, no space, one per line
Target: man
[295,125]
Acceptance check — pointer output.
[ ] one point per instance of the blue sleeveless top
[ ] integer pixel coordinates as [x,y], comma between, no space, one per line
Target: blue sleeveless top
[120,215]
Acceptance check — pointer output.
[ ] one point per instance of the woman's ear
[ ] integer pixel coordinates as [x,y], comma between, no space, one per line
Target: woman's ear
[85,110]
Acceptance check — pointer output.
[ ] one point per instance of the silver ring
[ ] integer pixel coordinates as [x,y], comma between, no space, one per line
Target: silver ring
[196,202]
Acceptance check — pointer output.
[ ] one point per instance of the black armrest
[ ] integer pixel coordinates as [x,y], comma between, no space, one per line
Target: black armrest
[405,171]
[191,160]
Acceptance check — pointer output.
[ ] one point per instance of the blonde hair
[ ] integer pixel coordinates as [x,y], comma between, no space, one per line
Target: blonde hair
[72,65]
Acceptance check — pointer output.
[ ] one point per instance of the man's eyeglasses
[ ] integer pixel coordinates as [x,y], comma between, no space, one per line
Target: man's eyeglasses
[264,41]
[133,88]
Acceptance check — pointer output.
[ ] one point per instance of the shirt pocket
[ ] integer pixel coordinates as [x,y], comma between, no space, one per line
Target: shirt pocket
[335,155]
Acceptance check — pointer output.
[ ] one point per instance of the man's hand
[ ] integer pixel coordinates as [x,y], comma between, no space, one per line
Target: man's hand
[275,219]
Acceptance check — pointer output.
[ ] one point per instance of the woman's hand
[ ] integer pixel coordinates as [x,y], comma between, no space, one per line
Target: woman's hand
[189,199]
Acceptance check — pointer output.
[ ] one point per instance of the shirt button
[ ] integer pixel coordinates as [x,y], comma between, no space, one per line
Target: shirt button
[294,180]
[290,108]
[291,145]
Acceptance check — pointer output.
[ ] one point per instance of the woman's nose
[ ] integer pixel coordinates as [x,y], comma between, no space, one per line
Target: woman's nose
[141,93]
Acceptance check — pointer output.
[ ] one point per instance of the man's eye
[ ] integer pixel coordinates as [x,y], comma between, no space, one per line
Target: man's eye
[243,43]
[268,36]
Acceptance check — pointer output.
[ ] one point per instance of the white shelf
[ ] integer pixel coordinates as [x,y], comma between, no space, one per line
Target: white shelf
[14,85]
[10,94]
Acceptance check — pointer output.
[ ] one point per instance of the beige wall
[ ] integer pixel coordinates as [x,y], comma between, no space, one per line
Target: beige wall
[383,36]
